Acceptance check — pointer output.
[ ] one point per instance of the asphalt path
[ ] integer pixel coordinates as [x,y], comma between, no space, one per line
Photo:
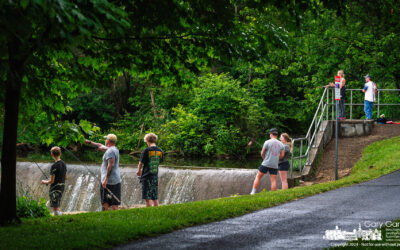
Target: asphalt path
[299,224]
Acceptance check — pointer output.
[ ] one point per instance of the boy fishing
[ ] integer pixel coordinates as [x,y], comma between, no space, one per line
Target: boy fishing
[58,175]
[150,160]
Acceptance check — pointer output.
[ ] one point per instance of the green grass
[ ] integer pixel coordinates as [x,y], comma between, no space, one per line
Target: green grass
[106,229]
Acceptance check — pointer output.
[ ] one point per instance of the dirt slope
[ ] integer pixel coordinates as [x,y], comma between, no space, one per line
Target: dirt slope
[350,151]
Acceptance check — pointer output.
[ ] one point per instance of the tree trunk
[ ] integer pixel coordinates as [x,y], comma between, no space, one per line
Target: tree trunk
[249,80]
[153,103]
[8,212]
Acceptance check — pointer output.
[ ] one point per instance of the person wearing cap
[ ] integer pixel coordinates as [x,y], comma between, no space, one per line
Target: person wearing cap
[369,98]
[271,153]
[110,174]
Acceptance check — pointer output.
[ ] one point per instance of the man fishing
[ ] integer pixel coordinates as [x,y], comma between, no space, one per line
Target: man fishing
[110,175]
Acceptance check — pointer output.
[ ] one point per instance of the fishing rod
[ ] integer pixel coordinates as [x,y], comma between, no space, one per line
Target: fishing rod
[106,188]
[41,170]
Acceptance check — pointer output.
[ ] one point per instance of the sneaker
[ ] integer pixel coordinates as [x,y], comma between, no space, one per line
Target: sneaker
[344,118]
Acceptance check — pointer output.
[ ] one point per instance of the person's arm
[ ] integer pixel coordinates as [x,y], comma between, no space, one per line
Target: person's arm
[263,150]
[100,146]
[282,155]
[342,83]
[110,164]
[49,181]
[365,88]
[66,176]
[330,85]
[140,168]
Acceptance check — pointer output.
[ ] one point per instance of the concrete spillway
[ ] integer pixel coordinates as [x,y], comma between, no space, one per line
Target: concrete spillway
[175,185]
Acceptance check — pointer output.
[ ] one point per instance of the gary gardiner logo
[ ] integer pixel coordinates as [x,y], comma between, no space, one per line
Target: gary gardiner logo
[338,234]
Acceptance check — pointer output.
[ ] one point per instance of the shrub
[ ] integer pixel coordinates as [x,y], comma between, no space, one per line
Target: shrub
[30,208]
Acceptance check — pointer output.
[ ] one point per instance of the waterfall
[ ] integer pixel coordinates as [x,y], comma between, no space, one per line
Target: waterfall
[176,185]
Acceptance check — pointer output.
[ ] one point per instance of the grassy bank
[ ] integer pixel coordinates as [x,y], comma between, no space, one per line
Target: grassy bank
[106,229]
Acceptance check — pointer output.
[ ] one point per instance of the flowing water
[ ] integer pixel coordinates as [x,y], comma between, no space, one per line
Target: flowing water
[176,185]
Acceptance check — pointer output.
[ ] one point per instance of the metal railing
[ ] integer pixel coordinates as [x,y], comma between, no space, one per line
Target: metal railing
[326,106]
[377,104]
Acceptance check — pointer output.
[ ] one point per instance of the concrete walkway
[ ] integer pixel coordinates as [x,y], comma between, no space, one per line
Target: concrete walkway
[299,224]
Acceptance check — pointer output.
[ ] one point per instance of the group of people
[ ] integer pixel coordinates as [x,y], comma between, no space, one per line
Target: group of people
[110,177]
[275,155]
[369,91]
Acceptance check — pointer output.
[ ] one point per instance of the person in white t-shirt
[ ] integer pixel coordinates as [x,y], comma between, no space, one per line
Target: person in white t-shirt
[369,99]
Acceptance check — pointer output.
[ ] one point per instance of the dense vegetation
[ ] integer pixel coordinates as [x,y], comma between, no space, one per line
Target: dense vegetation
[207,76]
[112,228]
[209,85]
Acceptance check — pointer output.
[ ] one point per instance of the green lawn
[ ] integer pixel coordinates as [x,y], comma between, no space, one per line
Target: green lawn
[106,229]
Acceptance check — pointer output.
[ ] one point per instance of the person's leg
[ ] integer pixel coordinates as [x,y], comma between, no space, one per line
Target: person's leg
[371,108]
[145,192]
[105,206]
[366,109]
[257,181]
[116,190]
[273,181]
[341,106]
[283,176]
[148,203]
[155,203]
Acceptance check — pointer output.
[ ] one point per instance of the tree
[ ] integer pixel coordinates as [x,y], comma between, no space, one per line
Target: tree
[35,37]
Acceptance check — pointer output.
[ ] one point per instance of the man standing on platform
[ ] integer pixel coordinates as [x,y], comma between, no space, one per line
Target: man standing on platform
[369,99]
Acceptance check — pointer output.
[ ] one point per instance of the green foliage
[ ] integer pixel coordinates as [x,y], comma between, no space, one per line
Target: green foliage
[95,106]
[218,120]
[108,229]
[29,208]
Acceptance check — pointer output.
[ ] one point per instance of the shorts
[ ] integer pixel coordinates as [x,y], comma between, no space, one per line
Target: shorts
[284,166]
[150,188]
[264,170]
[108,198]
[55,197]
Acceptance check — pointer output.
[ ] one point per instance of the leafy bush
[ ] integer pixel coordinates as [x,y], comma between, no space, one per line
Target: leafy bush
[30,208]
[219,119]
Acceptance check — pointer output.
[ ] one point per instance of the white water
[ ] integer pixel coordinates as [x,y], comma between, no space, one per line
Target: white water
[175,185]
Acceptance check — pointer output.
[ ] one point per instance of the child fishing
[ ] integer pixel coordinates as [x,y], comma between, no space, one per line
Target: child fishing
[58,175]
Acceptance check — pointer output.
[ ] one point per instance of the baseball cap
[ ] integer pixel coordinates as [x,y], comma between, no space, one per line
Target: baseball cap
[273,131]
[367,76]
[111,138]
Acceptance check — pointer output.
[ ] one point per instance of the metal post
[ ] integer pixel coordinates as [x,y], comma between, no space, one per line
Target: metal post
[351,104]
[327,104]
[291,165]
[333,103]
[378,103]
[336,143]
[301,154]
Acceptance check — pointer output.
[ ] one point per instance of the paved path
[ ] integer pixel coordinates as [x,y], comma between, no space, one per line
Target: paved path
[299,224]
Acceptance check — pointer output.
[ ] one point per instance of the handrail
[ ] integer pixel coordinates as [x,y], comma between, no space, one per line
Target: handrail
[321,114]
